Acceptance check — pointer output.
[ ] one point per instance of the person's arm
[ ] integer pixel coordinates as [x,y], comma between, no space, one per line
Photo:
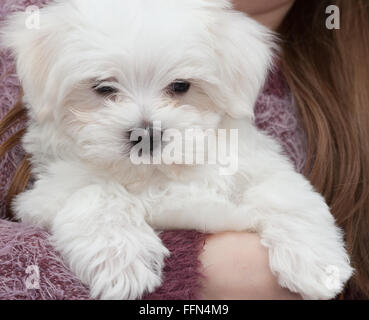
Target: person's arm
[235,266]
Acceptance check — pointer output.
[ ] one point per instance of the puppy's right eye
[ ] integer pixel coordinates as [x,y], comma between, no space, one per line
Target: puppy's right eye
[104,90]
[179,87]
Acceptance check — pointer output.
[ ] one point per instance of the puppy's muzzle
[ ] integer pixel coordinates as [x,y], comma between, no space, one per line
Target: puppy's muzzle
[149,138]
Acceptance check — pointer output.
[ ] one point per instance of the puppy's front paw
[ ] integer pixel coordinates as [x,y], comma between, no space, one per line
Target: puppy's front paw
[311,272]
[123,266]
[122,277]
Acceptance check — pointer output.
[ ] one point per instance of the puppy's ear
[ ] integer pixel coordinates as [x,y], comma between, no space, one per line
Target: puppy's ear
[245,50]
[32,47]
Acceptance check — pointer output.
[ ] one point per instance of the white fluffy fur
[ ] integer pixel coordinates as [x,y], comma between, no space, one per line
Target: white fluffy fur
[100,208]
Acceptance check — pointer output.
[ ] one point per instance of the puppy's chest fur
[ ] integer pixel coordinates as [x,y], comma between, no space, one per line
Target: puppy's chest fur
[170,200]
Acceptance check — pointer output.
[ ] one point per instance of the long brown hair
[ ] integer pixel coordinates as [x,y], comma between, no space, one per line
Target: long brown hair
[328,73]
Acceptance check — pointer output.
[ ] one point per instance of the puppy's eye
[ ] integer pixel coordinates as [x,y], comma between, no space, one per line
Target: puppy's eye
[104,90]
[179,87]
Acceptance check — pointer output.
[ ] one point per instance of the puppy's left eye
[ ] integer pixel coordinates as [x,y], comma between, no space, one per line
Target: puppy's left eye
[104,90]
[179,87]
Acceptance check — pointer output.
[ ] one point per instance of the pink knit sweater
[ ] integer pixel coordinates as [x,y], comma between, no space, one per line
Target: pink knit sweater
[23,245]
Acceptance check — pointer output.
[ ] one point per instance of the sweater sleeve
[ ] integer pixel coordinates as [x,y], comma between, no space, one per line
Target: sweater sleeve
[32,270]
[181,272]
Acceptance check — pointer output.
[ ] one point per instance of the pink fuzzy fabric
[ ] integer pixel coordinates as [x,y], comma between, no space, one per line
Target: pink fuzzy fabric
[22,245]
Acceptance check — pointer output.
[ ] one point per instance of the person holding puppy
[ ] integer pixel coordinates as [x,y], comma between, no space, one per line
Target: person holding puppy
[325,73]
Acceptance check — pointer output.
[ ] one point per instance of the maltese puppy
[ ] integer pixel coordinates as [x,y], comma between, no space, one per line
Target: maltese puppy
[106,80]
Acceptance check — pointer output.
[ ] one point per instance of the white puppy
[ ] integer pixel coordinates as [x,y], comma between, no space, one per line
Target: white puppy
[96,71]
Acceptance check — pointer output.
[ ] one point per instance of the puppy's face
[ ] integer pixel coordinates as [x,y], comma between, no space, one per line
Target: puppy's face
[100,70]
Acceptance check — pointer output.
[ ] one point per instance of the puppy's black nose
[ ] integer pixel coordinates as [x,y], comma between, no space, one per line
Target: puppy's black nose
[149,137]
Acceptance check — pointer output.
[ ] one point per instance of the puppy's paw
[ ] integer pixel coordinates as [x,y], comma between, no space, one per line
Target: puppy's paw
[119,278]
[120,266]
[306,248]
[314,275]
